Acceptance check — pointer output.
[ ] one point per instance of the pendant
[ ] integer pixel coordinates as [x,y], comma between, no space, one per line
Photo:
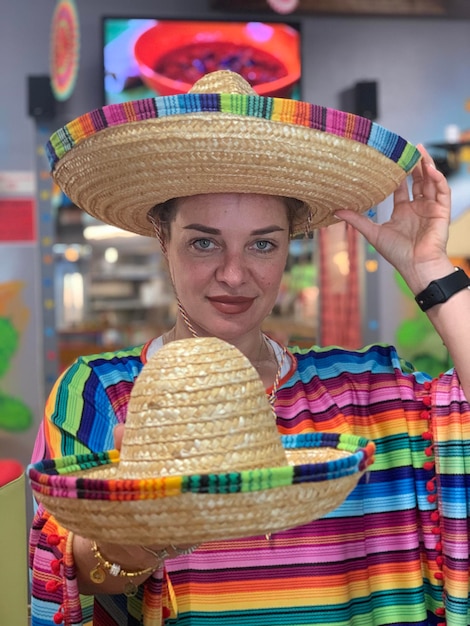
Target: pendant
[130,589]
[98,575]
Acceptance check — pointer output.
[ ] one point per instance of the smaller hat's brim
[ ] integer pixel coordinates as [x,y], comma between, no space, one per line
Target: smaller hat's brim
[87,496]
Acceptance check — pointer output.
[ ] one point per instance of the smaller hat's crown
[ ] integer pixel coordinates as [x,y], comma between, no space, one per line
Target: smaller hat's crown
[198,406]
[223,81]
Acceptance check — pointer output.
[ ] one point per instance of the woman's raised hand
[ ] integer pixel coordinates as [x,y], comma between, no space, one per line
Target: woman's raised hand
[414,239]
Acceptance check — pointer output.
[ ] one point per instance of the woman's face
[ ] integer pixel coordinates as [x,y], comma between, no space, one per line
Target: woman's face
[226,256]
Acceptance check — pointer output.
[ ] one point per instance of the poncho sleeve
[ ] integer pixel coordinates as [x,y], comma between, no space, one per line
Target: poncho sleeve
[450,443]
[85,404]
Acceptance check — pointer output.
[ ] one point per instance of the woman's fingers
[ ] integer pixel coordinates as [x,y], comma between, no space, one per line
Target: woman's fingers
[118,435]
[402,193]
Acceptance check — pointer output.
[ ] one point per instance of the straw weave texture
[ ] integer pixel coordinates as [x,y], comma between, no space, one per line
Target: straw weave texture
[198,406]
[221,153]
[119,172]
[201,459]
[225,80]
[194,519]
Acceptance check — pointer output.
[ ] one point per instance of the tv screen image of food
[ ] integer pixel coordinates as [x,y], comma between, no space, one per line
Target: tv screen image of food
[149,57]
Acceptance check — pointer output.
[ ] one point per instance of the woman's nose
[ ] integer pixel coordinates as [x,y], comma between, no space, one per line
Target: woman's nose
[232,269]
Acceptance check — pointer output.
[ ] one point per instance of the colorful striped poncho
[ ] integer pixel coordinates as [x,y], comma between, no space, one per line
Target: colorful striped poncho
[395,552]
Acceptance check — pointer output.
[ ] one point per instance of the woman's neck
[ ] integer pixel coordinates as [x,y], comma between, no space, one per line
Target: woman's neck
[254,345]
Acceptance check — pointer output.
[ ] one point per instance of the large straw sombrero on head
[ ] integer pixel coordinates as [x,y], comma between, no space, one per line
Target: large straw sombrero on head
[118,162]
[201,459]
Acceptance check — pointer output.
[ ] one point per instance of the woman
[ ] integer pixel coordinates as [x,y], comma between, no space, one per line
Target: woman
[396,551]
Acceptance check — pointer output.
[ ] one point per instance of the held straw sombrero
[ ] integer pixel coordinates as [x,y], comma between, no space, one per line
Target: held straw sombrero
[201,459]
[118,162]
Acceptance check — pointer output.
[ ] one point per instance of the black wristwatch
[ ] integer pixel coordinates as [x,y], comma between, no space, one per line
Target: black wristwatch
[441,290]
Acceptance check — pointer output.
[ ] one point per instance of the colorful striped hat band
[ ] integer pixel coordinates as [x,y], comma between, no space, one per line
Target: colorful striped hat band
[119,161]
[201,459]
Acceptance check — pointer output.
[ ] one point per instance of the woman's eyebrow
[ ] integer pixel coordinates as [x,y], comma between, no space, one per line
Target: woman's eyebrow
[268,229]
[215,231]
[204,229]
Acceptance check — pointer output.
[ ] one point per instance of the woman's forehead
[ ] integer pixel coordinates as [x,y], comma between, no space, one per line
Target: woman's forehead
[222,203]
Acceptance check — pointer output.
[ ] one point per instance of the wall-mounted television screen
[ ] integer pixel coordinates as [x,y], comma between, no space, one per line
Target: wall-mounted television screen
[149,57]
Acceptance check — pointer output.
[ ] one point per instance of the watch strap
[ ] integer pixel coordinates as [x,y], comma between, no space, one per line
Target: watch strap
[440,290]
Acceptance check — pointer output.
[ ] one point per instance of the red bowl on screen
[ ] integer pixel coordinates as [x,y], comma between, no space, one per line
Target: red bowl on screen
[172,56]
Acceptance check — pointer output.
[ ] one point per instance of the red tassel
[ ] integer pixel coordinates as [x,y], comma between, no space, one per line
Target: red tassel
[429,465]
[58,618]
[55,566]
[427,401]
[53,540]
[439,576]
[427,435]
[53,585]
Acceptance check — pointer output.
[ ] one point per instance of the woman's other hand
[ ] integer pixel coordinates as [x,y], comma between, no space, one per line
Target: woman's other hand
[118,435]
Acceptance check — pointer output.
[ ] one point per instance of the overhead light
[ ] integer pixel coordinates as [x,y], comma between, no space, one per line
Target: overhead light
[105,231]
[111,255]
[71,254]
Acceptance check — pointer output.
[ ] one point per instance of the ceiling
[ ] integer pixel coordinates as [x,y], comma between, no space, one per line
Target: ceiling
[406,8]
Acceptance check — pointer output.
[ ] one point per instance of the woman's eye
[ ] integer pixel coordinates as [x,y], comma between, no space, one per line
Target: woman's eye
[263,245]
[202,244]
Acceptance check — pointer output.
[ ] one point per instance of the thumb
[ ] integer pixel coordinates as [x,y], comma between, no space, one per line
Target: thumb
[361,222]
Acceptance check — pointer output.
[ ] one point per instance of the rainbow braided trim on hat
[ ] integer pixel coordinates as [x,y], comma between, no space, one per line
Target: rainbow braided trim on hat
[339,123]
[52,477]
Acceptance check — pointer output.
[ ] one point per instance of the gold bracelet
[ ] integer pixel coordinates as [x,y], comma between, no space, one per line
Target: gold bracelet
[98,573]
[163,554]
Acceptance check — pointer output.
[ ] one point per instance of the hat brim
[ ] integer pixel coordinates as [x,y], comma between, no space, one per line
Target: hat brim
[118,163]
[86,495]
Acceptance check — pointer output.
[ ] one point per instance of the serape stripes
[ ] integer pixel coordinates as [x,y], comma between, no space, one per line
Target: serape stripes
[395,552]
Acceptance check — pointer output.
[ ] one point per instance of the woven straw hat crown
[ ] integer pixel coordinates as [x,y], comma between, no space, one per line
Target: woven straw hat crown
[198,406]
[223,81]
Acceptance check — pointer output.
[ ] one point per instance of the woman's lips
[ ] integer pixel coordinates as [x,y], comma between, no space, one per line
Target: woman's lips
[231,305]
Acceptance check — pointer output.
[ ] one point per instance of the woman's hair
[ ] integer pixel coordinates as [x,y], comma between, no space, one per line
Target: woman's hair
[161,216]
